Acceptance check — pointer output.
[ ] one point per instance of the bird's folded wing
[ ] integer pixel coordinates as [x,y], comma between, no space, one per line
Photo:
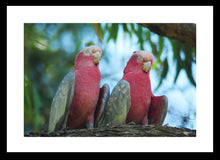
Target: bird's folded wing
[103,99]
[158,110]
[61,102]
[118,104]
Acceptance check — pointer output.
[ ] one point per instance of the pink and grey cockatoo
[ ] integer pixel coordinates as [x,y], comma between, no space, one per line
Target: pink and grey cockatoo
[132,98]
[79,100]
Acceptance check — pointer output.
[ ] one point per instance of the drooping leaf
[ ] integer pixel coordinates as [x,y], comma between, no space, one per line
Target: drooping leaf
[90,43]
[37,104]
[187,65]
[154,65]
[27,100]
[109,38]
[189,73]
[148,35]
[125,29]
[176,47]
[114,31]
[163,73]
[98,30]
[161,46]
[140,37]
[178,67]
[152,44]
[154,48]
[132,27]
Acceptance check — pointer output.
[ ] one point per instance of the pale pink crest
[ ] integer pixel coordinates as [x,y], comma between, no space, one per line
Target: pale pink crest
[91,50]
[147,56]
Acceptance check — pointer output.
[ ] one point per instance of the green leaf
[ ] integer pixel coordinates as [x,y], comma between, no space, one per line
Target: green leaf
[148,36]
[125,29]
[114,31]
[132,27]
[98,30]
[154,48]
[161,46]
[176,47]
[164,73]
[37,105]
[154,65]
[189,73]
[187,65]
[27,103]
[179,67]
[140,37]
[109,38]
[153,45]
[90,43]
[77,47]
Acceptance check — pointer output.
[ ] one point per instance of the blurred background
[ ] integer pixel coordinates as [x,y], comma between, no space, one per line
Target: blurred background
[50,50]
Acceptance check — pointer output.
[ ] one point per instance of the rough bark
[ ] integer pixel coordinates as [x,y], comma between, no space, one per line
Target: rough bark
[183,32]
[129,130]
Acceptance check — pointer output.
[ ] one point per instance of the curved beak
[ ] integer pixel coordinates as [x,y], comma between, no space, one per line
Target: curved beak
[146,66]
[97,56]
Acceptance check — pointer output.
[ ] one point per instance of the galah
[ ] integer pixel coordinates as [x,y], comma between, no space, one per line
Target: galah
[132,98]
[79,100]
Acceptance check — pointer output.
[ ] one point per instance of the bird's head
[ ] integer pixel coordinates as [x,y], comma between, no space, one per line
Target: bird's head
[140,61]
[88,56]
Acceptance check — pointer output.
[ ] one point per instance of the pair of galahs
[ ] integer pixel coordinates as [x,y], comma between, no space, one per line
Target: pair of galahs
[80,102]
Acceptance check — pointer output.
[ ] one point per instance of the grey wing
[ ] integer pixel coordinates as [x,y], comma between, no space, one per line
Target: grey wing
[61,103]
[118,104]
[103,99]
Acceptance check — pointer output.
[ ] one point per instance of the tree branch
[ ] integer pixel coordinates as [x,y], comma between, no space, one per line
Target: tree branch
[129,130]
[183,32]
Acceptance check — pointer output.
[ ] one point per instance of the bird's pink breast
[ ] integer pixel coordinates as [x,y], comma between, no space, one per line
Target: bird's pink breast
[140,92]
[86,92]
